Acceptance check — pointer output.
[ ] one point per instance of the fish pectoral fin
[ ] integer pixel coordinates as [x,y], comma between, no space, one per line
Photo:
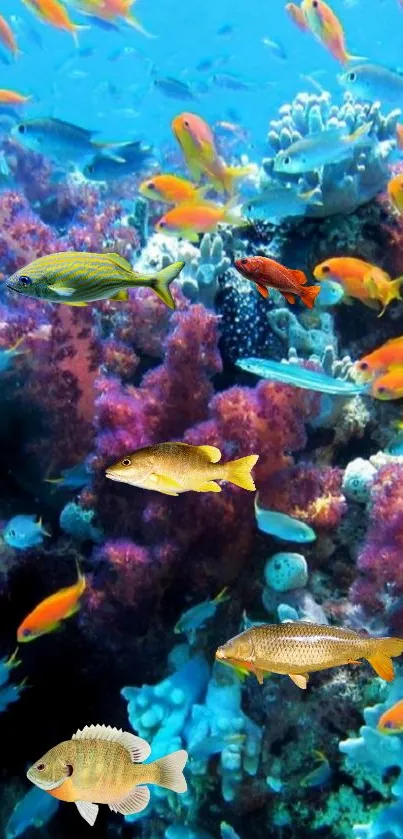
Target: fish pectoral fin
[208,486]
[383,666]
[262,290]
[353,661]
[164,483]
[68,303]
[121,295]
[50,627]
[190,235]
[61,289]
[213,454]
[299,276]
[290,298]
[299,679]
[259,674]
[135,802]
[88,811]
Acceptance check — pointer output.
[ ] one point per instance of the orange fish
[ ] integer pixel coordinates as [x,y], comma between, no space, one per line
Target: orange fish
[327,29]
[189,220]
[380,287]
[390,385]
[267,273]
[171,189]
[111,10]
[395,192]
[391,721]
[399,135]
[11,97]
[380,360]
[297,16]
[351,274]
[196,140]
[7,37]
[48,615]
[54,13]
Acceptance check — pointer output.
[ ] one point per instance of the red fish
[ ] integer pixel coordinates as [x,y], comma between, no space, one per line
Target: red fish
[267,273]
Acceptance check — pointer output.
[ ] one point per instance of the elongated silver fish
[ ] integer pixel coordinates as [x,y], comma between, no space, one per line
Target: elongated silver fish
[319,149]
[79,278]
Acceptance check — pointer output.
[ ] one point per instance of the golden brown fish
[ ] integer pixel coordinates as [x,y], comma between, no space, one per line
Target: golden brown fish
[297,649]
[173,468]
[101,765]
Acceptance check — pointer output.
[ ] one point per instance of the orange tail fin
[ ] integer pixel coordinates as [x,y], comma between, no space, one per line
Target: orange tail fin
[381,660]
[309,295]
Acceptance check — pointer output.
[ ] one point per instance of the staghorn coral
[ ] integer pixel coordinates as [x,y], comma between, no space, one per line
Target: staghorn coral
[341,187]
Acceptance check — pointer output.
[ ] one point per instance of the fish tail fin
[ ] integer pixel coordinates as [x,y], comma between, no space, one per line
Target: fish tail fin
[170,771]
[394,289]
[161,282]
[360,132]
[222,596]
[350,57]
[231,218]
[75,28]
[309,295]
[381,659]
[81,581]
[135,23]
[238,472]
[234,173]
[202,191]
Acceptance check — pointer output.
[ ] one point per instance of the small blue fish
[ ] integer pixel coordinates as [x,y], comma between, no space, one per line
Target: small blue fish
[195,617]
[7,355]
[75,477]
[35,809]
[276,48]
[372,82]
[293,374]
[319,776]
[330,294]
[282,526]
[24,532]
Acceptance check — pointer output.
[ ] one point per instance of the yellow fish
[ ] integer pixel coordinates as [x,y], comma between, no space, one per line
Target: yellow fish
[78,278]
[173,468]
[101,765]
[297,649]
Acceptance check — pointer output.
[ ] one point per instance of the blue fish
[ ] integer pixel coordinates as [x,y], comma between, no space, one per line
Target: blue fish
[75,477]
[319,776]
[35,809]
[293,374]
[24,532]
[282,526]
[195,617]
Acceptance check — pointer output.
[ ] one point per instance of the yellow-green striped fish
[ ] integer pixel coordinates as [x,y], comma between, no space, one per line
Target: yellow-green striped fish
[79,278]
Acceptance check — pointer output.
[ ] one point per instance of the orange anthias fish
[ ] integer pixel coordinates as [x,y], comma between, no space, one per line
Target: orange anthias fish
[196,140]
[381,360]
[389,385]
[391,721]
[54,13]
[48,615]
[266,273]
[112,10]
[170,189]
[189,220]
[297,16]
[11,97]
[360,280]
[7,37]
[395,192]
[326,27]
[297,649]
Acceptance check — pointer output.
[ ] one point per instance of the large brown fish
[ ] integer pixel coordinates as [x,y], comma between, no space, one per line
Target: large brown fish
[101,765]
[297,649]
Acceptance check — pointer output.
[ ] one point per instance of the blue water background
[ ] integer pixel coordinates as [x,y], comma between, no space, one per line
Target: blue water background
[187,33]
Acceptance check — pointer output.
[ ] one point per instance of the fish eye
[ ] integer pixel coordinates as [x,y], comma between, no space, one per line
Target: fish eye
[325,269]
[24,280]
[40,767]
[382,389]
[126,462]
[162,224]
[315,4]
[388,724]
[243,261]
[21,129]
[352,77]
[151,185]
[286,160]
[186,124]
[70,769]
[90,168]
[11,533]
[26,633]
[363,365]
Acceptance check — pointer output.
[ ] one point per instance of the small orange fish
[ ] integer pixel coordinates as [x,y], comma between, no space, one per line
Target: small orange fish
[11,97]
[389,385]
[395,192]
[380,360]
[327,29]
[54,13]
[189,220]
[266,273]
[196,140]
[391,721]
[297,16]
[7,37]
[48,615]
[351,273]
[171,189]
